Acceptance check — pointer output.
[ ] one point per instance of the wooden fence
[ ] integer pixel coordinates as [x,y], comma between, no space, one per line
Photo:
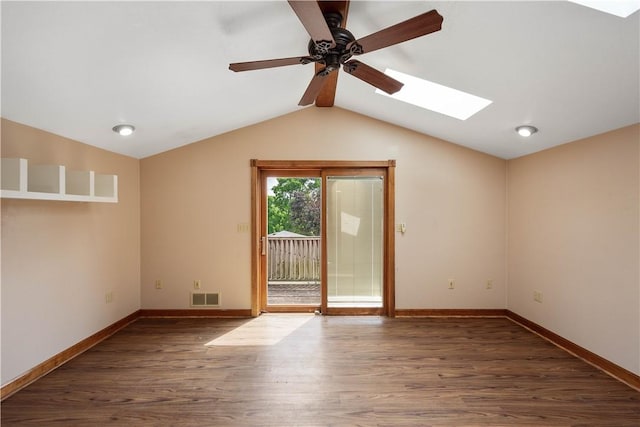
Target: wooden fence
[294,258]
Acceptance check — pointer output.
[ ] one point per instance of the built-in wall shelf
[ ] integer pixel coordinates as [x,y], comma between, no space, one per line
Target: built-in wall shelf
[20,180]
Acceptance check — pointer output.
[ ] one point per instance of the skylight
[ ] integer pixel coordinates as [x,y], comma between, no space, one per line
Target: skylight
[435,97]
[621,8]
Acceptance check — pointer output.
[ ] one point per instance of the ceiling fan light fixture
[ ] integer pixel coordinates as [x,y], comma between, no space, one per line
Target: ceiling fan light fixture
[123,129]
[526,130]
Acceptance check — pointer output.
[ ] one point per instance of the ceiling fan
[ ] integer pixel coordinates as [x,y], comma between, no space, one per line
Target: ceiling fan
[332,46]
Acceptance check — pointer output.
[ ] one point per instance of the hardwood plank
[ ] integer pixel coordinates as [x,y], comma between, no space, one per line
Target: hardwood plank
[611,368]
[331,371]
[64,356]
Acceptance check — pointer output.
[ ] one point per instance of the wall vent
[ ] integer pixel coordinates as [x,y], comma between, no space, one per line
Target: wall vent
[205,299]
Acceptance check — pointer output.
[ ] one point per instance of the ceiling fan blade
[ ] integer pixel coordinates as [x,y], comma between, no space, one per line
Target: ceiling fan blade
[310,15]
[327,95]
[314,88]
[417,26]
[372,76]
[269,63]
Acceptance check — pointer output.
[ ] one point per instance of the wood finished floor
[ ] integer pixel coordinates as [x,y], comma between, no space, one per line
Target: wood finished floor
[332,371]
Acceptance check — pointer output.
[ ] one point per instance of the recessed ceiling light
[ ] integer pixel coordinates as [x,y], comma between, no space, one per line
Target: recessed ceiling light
[124,130]
[526,130]
[435,97]
[621,8]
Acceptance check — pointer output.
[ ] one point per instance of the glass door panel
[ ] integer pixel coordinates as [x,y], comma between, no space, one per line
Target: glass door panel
[355,240]
[292,242]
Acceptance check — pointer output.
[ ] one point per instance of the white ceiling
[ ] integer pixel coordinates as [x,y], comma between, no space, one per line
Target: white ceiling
[79,68]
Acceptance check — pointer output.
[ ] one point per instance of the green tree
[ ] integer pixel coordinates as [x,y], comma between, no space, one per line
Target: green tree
[295,206]
[278,215]
[305,212]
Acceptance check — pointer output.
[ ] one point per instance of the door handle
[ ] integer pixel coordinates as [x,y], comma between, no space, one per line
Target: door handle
[263,245]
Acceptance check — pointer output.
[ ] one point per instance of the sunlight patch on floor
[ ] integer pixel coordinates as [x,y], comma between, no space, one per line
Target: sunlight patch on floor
[268,329]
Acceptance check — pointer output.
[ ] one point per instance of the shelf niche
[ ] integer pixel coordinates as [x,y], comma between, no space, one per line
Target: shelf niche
[53,182]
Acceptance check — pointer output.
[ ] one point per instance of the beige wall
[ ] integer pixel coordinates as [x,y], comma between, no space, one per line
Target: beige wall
[574,236]
[571,226]
[59,259]
[451,198]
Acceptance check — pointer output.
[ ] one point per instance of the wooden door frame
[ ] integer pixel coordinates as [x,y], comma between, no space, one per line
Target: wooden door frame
[257,170]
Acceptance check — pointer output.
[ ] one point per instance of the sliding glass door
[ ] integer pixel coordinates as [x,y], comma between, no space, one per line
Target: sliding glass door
[322,237]
[354,212]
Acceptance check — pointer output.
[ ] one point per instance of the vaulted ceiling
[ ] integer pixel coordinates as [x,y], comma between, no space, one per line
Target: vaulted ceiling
[79,68]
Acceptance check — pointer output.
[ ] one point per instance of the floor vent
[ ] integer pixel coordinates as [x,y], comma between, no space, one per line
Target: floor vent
[202,299]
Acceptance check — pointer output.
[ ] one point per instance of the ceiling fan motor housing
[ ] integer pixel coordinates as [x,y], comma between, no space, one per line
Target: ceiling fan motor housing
[334,57]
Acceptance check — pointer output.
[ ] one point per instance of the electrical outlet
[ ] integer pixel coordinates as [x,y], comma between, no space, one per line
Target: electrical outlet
[489,284]
[452,284]
[537,296]
[158,284]
[108,297]
[196,284]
